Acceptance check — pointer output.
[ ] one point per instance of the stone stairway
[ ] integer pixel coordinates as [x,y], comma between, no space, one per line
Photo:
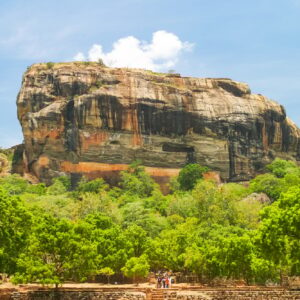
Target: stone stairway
[157,294]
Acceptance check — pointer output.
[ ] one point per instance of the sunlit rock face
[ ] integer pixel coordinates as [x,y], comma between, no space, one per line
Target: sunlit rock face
[86,119]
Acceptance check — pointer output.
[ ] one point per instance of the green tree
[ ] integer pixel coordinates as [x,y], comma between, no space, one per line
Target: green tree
[93,186]
[15,224]
[280,231]
[136,181]
[157,202]
[113,248]
[248,212]
[93,203]
[195,261]
[137,237]
[136,213]
[14,184]
[213,206]
[189,175]
[167,251]
[268,184]
[136,268]
[280,167]
[182,204]
[56,253]
[59,206]
[39,189]
[57,187]
[106,271]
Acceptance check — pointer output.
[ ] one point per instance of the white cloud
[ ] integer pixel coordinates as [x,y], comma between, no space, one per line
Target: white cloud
[95,53]
[79,56]
[163,52]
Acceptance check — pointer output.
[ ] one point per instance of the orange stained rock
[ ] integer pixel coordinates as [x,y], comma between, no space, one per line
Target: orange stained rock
[43,161]
[97,138]
[137,138]
[87,167]
[162,172]
[46,133]
[214,176]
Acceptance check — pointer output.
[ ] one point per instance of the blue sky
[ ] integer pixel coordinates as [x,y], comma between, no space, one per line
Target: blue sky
[254,41]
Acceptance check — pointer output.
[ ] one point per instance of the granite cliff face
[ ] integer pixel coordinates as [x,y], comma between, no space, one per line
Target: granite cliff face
[82,118]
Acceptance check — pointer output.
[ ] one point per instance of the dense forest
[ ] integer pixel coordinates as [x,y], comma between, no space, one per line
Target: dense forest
[233,230]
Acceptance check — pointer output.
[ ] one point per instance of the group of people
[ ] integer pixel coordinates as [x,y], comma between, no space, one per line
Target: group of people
[164,281]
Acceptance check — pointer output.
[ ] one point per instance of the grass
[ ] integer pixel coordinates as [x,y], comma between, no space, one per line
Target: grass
[156,73]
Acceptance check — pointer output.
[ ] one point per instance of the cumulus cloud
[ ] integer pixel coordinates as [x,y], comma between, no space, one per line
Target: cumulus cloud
[162,52]
[79,56]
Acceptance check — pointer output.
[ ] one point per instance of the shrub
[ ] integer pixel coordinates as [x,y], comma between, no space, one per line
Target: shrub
[189,175]
[50,65]
[101,62]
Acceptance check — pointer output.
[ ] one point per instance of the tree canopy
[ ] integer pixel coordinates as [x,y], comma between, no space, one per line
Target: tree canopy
[52,234]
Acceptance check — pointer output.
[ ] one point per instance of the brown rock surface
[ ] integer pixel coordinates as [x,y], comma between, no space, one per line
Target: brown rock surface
[4,164]
[82,118]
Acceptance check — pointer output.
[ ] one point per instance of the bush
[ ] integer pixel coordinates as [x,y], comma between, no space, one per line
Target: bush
[101,62]
[60,185]
[136,268]
[135,181]
[50,65]
[189,175]
[93,186]
[280,167]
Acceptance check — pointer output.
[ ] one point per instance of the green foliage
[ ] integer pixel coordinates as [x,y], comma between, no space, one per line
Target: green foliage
[14,184]
[280,167]
[285,174]
[189,175]
[60,185]
[8,153]
[268,184]
[15,224]
[182,204]
[107,271]
[113,249]
[93,203]
[55,253]
[136,213]
[137,237]
[248,212]
[59,206]
[65,180]
[39,189]
[280,231]
[135,181]
[50,65]
[57,188]
[136,268]
[52,235]
[93,186]
[157,202]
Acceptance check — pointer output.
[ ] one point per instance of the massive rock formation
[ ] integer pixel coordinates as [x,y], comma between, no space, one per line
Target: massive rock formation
[84,118]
